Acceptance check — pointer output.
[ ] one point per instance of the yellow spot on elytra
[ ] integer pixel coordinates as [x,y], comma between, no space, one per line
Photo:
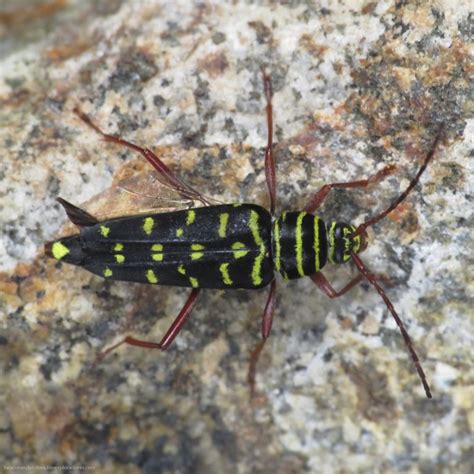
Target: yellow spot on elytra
[194,282]
[182,270]
[59,250]
[107,272]
[151,277]
[118,247]
[157,257]
[224,269]
[179,232]
[195,255]
[119,258]
[223,220]
[148,224]
[190,217]
[104,231]
[236,246]
[237,204]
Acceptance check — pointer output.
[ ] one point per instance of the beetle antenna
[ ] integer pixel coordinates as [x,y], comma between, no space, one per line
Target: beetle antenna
[361,229]
[371,278]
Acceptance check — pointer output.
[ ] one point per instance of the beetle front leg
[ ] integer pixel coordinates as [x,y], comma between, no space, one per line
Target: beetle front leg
[323,284]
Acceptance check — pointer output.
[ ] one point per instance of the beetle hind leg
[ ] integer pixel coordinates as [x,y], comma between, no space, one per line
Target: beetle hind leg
[169,178]
[170,335]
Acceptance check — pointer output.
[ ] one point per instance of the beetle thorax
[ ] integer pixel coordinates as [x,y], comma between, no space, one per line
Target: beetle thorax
[303,243]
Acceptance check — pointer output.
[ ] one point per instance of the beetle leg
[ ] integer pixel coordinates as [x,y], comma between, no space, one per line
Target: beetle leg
[170,335]
[267,319]
[323,284]
[269,160]
[318,197]
[164,171]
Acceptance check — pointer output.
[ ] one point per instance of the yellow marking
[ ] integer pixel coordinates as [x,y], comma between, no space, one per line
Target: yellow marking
[331,241]
[104,231]
[179,232]
[190,217]
[257,264]
[347,244]
[283,217]
[224,269]
[182,270]
[148,224]
[316,245]
[118,247]
[196,255]
[357,241]
[119,258]
[236,246]
[59,250]
[107,272]
[151,277]
[285,276]
[157,257]
[299,243]
[277,245]
[194,282]
[237,204]
[223,220]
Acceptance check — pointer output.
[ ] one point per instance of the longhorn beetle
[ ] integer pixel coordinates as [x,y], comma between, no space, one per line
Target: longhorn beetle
[227,246]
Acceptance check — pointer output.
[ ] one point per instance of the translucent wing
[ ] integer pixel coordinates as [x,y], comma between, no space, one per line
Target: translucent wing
[135,190]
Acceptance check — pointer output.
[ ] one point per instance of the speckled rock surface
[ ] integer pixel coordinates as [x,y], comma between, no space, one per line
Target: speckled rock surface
[357,86]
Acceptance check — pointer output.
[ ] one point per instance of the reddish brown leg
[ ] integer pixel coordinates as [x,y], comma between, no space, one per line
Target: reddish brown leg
[170,178]
[371,279]
[170,335]
[323,284]
[267,319]
[317,198]
[269,160]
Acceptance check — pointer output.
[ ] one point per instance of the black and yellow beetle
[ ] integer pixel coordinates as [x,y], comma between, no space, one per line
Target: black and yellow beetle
[225,246]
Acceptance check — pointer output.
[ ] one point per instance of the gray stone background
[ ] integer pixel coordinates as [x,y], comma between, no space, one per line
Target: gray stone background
[358,85]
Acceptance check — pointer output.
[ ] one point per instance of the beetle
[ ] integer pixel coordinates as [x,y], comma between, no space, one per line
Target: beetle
[226,246]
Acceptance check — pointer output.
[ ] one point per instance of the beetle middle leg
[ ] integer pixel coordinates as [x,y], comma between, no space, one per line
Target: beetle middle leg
[318,197]
[267,320]
[269,159]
